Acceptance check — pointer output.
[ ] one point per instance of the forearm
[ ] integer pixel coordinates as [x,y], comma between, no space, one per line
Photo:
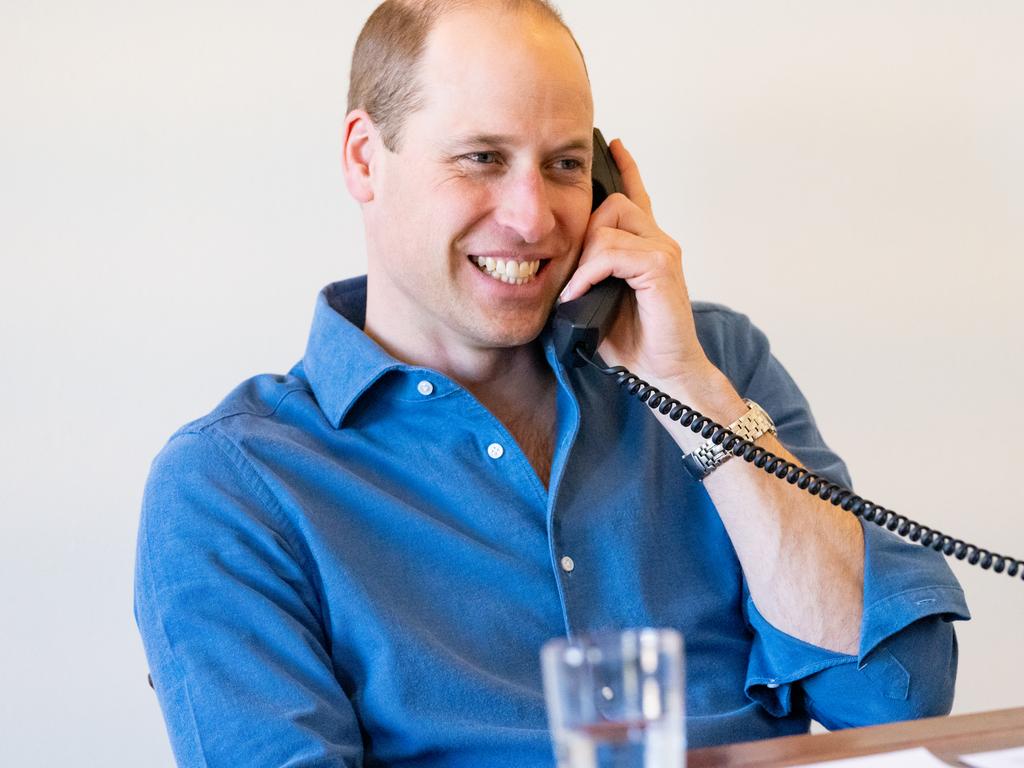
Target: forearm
[803,558]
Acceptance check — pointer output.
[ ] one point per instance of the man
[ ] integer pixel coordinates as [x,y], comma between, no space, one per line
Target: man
[357,563]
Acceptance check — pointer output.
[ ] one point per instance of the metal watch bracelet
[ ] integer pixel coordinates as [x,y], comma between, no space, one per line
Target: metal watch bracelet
[708,456]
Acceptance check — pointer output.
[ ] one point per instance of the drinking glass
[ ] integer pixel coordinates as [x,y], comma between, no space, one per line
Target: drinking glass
[615,699]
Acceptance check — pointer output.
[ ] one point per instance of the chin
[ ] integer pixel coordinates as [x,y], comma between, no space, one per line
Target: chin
[498,336]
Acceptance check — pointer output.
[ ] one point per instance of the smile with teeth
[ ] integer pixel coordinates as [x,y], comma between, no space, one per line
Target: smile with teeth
[514,272]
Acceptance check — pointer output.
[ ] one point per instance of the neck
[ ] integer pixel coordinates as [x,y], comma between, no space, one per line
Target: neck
[502,378]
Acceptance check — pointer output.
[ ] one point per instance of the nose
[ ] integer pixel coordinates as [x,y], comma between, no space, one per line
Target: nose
[524,206]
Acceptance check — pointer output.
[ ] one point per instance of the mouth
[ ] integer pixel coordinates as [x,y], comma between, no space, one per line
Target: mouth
[509,270]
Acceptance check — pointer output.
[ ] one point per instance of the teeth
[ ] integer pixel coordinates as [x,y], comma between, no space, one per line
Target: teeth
[508,271]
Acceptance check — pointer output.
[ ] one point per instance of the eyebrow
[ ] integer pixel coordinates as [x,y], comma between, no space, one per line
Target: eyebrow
[500,140]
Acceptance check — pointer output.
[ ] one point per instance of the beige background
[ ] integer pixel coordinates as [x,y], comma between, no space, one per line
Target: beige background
[850,173]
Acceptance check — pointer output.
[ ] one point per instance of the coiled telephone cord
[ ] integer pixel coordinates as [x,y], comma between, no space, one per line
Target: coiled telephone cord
[796,475]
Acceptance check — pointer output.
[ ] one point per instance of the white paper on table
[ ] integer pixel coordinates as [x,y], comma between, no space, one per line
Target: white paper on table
[907,758]
[1002,758]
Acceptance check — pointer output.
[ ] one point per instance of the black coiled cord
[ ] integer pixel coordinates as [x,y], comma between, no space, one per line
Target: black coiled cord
[802,478]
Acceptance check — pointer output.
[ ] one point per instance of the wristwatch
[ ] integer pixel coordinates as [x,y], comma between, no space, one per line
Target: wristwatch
[707,457]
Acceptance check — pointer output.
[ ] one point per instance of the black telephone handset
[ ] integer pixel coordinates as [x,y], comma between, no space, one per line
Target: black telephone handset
[579,325]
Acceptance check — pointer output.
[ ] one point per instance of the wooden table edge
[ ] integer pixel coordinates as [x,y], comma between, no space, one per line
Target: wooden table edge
[947,736]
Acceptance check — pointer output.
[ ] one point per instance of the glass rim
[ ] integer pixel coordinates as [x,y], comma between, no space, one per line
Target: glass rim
[667,639]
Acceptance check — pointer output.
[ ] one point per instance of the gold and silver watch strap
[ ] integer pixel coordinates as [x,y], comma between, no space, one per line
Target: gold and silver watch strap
[707,457]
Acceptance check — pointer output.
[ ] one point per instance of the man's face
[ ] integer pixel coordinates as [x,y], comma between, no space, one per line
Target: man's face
[496,168]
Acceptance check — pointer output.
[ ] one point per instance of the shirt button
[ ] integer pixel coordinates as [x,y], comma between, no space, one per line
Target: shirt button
[495,451]
[425,388]
[567,563]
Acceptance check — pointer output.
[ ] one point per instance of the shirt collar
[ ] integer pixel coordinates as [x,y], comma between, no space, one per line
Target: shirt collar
[342,362]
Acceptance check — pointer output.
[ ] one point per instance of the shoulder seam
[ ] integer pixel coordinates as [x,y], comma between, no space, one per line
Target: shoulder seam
[249,474]
[201,424]
[254,481]
[259,486]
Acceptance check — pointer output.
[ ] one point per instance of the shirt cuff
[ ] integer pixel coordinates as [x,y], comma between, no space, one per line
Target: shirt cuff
[903,582]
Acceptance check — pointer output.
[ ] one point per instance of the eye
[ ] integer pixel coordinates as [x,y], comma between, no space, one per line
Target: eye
[483,158]
[569,164]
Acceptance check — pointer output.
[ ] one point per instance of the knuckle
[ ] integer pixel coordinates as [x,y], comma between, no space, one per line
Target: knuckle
[620,198]
[662,258]
[671,256]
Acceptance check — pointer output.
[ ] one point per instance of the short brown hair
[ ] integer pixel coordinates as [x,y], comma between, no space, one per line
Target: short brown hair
[383,78]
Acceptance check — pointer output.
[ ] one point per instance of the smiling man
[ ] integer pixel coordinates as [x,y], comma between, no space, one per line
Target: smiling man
[357,563]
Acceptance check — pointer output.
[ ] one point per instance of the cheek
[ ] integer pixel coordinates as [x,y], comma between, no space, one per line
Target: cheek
[574,205]
[459,206]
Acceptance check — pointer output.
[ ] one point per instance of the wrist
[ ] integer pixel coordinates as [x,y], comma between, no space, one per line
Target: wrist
[707,457]
[708,391]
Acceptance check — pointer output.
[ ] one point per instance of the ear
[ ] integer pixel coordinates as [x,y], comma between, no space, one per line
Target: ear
[359,146]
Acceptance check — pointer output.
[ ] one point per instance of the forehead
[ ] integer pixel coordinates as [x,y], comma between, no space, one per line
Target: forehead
[494,67]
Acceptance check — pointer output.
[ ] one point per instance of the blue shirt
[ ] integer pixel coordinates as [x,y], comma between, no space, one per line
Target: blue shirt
[355,564]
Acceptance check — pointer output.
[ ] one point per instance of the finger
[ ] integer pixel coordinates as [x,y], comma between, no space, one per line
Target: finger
[630,172]
[613,263]
[610,238]
[619,212]
[611,253]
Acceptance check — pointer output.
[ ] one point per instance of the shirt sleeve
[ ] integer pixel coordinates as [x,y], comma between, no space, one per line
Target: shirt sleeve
[230,621]
[906,663]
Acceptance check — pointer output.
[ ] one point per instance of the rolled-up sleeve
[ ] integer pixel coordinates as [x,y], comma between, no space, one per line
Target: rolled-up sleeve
[906,664]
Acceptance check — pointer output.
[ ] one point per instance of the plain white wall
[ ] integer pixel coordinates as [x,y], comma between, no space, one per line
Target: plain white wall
[848,172]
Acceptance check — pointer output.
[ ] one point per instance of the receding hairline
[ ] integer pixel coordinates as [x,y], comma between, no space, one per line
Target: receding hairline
[539,11]
[434,10]
[388,55]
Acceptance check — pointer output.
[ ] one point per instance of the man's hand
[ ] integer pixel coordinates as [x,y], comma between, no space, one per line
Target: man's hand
[654,334]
